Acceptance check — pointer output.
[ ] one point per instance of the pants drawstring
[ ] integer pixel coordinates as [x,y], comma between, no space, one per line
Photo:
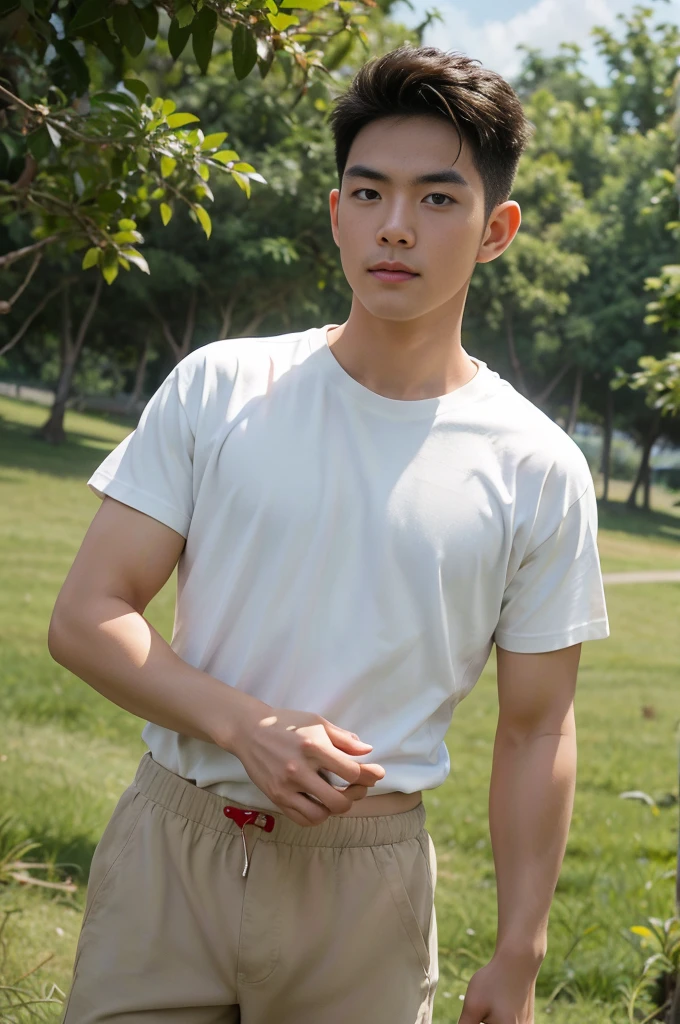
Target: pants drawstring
[244,817]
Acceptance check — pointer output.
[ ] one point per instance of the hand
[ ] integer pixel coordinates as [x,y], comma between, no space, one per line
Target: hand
[284,751]
[500,993]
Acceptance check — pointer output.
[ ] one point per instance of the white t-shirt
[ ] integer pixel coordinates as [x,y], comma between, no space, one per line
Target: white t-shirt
[356,555]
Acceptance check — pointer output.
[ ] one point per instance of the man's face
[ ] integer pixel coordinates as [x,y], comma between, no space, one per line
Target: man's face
[406,199]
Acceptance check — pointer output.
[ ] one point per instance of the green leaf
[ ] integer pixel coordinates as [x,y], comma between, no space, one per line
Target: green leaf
[108,200]
[125,237]
[54,135]
[29,6]
[214,141]
[282,21]
[204,219]
[137,88]
[168,107]
[265,55]
[639,929]
[106,43]
[129,28]
[124,263]
[126,224]
[243,167]
[225,156]
[243,51]
[115,99]
[7,6]
[149,19]
[77,68]
[177,38]
[110,271]
[168,164]
[305,5]
[91,258]
[136,257]
[179,120]
[89,12]
[204,172]
[185,15]
[157,193]
[243,182]
[166,213]
[203,36]
[39,143]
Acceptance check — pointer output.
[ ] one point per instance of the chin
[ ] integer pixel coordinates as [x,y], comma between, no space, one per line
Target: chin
[386,308]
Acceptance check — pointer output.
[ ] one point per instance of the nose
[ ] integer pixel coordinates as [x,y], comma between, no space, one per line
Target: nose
[396,228]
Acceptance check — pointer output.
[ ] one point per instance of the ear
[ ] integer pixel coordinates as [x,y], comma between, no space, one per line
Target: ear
[333,202]
[500,230]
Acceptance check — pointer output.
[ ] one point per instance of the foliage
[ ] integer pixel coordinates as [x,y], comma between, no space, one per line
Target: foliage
[76,161]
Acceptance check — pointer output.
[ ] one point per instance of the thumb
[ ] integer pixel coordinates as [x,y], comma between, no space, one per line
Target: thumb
[345,740]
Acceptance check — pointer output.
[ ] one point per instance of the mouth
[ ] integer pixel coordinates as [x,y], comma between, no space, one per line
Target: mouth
[392,272]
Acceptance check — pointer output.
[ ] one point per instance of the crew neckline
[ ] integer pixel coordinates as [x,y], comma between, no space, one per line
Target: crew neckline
[403,408]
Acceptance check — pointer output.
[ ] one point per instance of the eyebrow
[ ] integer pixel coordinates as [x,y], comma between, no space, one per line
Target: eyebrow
[449,176]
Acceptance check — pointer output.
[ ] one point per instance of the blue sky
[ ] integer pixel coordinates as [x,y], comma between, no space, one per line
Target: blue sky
[492,29]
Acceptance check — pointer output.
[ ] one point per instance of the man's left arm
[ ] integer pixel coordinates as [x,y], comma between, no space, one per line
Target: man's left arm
[530,804]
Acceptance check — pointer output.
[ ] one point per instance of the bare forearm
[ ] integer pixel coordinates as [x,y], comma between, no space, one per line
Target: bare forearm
[530,806]
[114,649]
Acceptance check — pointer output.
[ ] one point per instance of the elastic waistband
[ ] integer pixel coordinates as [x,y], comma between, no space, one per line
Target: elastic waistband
[176,794]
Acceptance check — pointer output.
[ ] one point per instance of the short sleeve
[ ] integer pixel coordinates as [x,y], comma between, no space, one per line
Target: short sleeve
[152,469]
[556,597]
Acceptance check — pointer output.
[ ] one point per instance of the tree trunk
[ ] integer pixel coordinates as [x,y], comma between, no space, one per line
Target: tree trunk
[605,467]
[140,373]
[642,476]
[512,352]
[53,430]
[575,401]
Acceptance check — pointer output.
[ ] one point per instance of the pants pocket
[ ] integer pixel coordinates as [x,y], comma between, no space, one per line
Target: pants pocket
[115,838]
[407,876]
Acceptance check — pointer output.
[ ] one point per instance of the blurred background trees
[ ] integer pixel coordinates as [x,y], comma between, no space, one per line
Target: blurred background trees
[111,169]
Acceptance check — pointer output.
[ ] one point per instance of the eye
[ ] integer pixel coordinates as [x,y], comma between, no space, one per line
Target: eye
[439,199]
[370,193]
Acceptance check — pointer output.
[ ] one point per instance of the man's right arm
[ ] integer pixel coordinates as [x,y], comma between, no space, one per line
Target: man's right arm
[98,632]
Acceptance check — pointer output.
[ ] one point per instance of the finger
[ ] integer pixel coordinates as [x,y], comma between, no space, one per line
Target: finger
[354,792]
[349,770]
[330,796]
[303,811]
[345,740]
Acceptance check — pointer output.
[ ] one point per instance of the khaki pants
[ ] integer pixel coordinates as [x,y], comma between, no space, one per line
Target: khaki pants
[332,924]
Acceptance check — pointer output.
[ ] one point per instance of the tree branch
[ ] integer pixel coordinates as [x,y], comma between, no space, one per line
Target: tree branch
[29,320]
[165,327]
[6,305]
[11,257]
[547,391]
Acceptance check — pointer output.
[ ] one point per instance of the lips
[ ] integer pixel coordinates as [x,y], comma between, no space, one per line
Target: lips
[392,272]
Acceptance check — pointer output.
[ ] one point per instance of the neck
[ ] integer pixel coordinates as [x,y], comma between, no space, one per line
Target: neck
[411,359]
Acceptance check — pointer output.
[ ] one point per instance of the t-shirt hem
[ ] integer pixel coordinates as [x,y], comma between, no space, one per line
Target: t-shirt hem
[543,643]
[101,485]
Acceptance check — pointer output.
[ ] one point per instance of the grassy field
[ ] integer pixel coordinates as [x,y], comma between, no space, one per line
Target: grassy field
[66,755]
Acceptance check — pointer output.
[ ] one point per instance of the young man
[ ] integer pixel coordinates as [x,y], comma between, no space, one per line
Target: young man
[357,513]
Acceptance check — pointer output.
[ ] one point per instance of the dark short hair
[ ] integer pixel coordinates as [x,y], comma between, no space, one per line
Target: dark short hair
[484,109]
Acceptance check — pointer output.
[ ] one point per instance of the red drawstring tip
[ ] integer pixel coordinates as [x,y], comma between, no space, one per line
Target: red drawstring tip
[243,817]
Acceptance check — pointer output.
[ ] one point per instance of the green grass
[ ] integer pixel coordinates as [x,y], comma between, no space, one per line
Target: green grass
[66,754]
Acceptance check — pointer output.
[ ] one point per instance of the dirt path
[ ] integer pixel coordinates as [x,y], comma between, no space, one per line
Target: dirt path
[654,576]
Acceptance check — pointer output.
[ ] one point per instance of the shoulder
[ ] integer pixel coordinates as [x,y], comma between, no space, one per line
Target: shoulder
[212,371]
[536,450]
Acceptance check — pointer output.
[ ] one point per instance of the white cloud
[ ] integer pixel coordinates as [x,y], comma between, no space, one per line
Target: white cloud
[543,25]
